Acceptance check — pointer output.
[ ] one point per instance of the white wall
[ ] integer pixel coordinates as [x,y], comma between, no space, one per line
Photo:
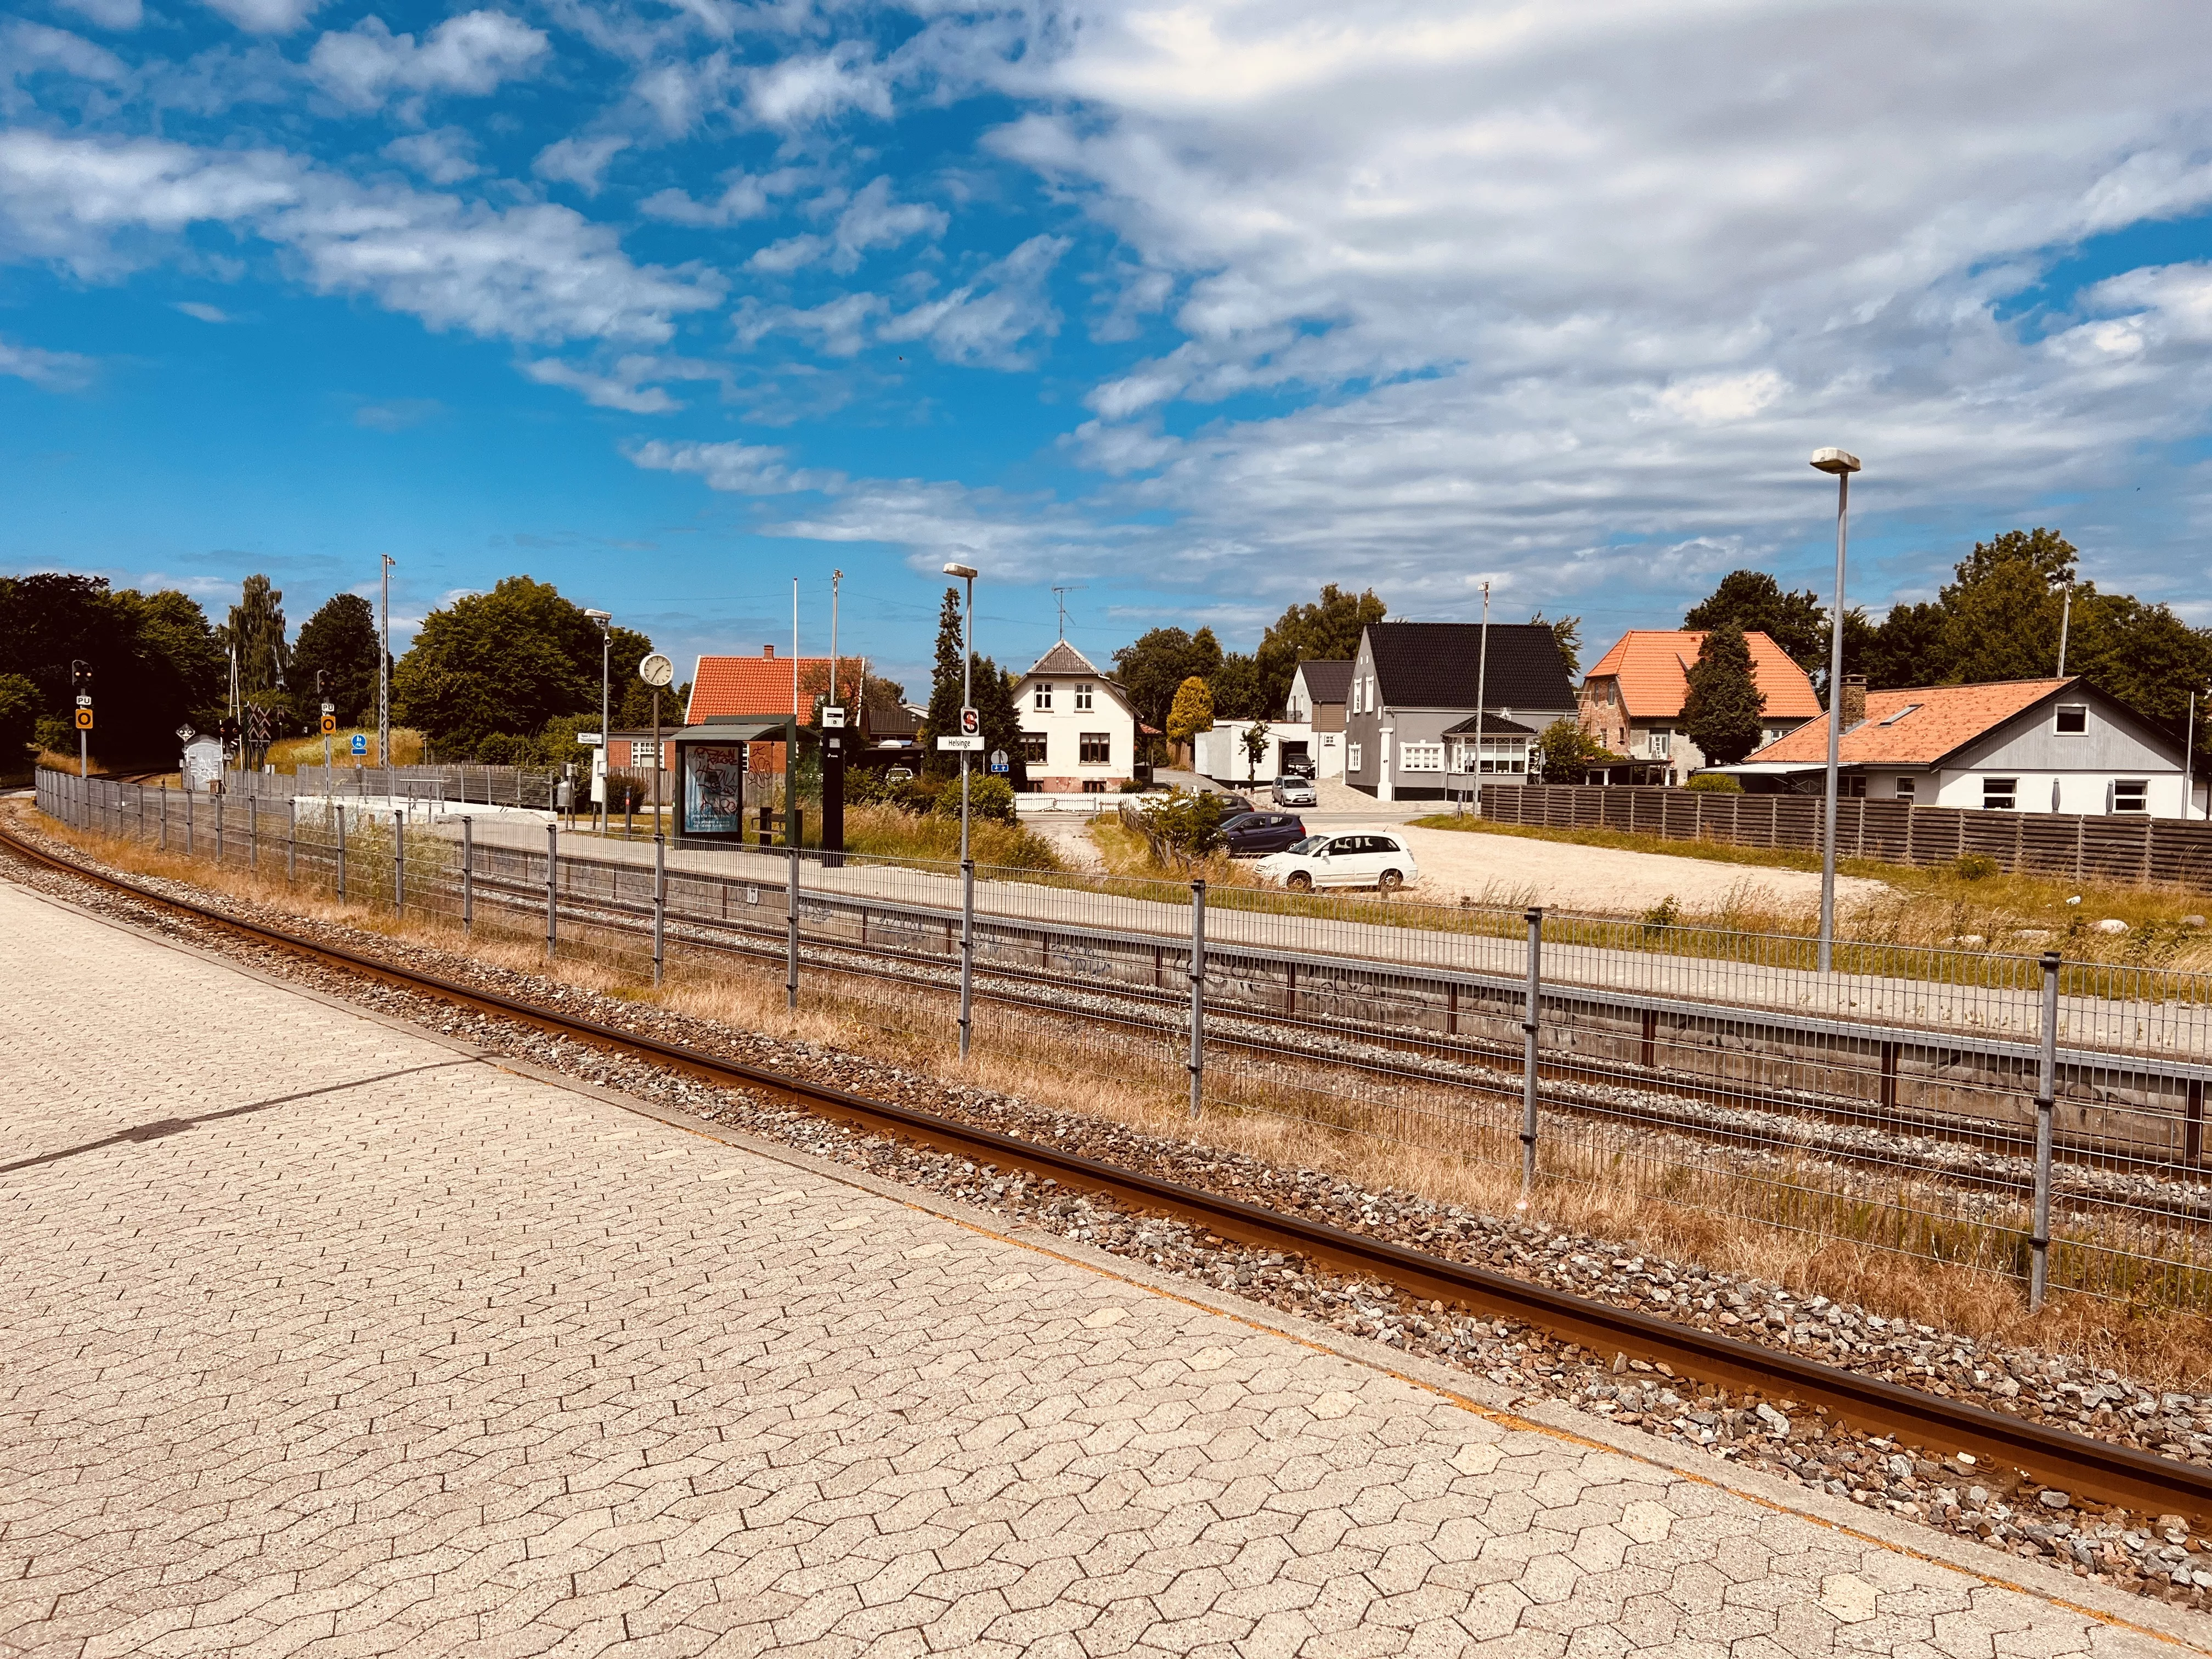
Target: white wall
[2078,792]
[1063,724]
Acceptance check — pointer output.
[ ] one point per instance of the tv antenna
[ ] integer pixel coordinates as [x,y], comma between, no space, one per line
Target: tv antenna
[1060,595]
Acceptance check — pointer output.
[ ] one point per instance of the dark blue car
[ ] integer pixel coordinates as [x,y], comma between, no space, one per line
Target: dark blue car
[1252,835]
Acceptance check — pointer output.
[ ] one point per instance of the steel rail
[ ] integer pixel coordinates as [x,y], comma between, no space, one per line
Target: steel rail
[2141,1481]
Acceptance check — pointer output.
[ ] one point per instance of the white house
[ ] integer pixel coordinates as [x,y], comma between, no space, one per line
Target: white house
[1079,730]
[2056,745]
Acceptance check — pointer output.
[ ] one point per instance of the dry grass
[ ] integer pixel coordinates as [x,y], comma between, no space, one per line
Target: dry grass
[290,754]
[1420,1139]
[877,830]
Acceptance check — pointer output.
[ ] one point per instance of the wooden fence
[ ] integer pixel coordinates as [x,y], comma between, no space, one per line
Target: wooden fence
[2140,850]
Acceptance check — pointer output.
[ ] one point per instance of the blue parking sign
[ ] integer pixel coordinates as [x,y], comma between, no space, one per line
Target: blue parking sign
[360,742]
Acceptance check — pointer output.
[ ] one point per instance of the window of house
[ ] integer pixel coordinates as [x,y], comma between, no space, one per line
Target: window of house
[1660,742]
[1892,719]
[1083,699]
[1907,789]
[1421,756]
[2073,718]
[2000,795]
[2129,794]
[1853,784]
[1033,748]
[1351,757]
[1043,698]
[1096,748]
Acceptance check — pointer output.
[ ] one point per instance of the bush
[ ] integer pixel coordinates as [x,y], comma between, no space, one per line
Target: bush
[1188,825]
[1715,783]
[878,829]
[506,748]
[1974,866]
[628,792]
[989,797]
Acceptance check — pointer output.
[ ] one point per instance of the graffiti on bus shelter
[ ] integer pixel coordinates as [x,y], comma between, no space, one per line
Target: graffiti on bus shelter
[714,789]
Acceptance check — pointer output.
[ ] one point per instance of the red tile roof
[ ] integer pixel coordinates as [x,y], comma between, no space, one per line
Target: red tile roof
[1942,718]
[1653,667]
[762,684]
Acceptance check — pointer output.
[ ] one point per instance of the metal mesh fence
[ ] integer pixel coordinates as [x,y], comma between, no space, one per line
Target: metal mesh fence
[2020,1116]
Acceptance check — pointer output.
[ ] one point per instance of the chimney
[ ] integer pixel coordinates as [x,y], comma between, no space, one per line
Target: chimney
[1854,700]
[767,651]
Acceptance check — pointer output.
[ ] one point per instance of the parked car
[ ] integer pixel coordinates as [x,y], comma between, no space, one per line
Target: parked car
[1356,858]
[1291,790]
[1251,833]
[1299,766]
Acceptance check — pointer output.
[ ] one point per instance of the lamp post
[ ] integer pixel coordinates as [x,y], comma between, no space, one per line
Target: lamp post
[605,620]
[384,674]
[967,574]
[1842,463]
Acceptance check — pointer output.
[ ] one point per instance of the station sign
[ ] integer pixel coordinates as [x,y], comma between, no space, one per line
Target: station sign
[832,718]
[968,739]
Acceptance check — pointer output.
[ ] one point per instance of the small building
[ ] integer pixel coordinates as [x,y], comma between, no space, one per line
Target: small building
[762,688]
[1493,747]
[2053,745]
[1631,701]
[1313,716]
[1411,683]
[1079,730]
[201,767]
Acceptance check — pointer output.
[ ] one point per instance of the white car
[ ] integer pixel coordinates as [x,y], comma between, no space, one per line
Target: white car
[1346,857]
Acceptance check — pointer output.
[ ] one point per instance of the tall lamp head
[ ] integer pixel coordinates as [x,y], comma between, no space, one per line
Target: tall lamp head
[1838,461]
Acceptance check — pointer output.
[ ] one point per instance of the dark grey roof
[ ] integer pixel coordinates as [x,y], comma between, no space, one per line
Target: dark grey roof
[1328,682]
[1063,658]
[1434,665]
[1494,725]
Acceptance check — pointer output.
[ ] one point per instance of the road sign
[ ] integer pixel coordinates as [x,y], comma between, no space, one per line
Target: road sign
[971,723]
[184,734]
[998,760]
[84,715]
[589,740]
[360,742]
[833,719]
[330,724]
[954,744]
[656,669]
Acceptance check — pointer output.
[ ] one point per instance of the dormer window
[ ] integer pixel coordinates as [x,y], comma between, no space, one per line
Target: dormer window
[2072,720]
[1044,704]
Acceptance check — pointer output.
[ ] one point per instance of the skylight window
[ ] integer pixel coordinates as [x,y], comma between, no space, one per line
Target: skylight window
[1892,719]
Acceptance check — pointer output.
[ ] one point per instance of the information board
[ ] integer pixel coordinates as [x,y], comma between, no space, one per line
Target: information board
[714,789]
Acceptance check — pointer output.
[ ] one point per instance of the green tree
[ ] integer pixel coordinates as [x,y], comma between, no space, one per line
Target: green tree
[1239,693]
[1192,712]
[1255,740]
[1327,630]
[2001,610]
[255,632]
[1905,649]
[1153,670]
[19,719]
[1755,602]
[1722,712]
[1002,720]
[153,657]
[1565,752]
[506,661]
[338,642]
[1567,632]
[2144,655]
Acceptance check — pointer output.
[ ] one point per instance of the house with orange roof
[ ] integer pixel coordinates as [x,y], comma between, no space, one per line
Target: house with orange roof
[766,687]
[2051,745]
[1631,701]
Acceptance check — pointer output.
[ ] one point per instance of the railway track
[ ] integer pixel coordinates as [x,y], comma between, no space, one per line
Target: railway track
[2141,1481]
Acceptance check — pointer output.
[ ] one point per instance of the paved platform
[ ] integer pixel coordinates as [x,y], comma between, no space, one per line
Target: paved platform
[320,1336]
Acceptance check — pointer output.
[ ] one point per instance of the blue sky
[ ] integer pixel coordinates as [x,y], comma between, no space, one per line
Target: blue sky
[1192,307]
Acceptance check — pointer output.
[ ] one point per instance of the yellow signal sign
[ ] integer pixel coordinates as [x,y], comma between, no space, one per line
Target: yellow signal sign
[84,719]
[330,724]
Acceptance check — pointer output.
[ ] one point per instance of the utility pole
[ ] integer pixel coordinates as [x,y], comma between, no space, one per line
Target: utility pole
[2065,622]
[384,671]
[1481,691]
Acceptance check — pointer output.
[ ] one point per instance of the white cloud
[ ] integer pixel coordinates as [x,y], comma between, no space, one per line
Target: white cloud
[30,48]
[266,16]
[537,272]
[53,371]
[985,321]
[629,386]
[204,311]
[110,14]
[444,157]
[745,196]
[579,161]
[472,53]
[1712,399]
[740,468]
[798,90]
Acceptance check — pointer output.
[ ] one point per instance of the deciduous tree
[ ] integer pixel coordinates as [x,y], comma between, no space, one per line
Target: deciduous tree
[1153,669]
[1192,712]
[1327,630]
[338,642]
[1756,604]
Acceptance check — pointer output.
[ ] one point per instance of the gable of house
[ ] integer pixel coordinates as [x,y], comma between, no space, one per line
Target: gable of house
[722,686]
[1648,670]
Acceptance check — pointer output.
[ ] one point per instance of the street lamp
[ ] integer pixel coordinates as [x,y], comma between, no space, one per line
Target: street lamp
[1842,463]
[605,620]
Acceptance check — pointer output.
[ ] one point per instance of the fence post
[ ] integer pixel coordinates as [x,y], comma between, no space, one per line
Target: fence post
[142,812]
[252,831]
[468,874]
[339,809]
[660,898]
[552,884]
[1528,1055]
[1197,1063]
[164,815]
[2046,1091]
[222,802]
[188,823]
[291,840]
[791,935]
[399,862]
[967,952]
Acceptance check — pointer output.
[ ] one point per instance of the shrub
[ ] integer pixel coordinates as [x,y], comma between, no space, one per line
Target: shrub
[1188,825]
[506,748]
[1974,866]
[1715,783]
[989,797]
[628,792]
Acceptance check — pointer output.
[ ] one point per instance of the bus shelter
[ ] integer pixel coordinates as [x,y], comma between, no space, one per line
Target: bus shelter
[711,762]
